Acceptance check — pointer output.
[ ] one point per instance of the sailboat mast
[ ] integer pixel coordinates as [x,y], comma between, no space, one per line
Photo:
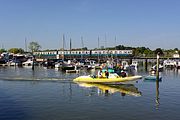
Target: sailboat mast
[105,41]
[82,47]
[63,46]
[115,47]
[70,47]
[98,49]
[106,47]
[63,42]
[25,44]
[98,42]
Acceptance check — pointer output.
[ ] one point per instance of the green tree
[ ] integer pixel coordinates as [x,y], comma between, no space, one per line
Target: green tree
[34,46]
[176,49]
[84,48]
[120,47]
[2,50]
[135,52]
[16,50]
[21,50]
[146,52]
[159,51]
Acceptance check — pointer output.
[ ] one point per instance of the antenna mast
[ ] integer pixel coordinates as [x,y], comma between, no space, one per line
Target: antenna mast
[25,44]
[98,49]
[115,47]
[63,42]
[70,48]
[82,47]
[63,47]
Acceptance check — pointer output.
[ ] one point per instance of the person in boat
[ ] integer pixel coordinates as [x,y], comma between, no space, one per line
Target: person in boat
[107,73]
[100,73]
[123,73]
[152,71]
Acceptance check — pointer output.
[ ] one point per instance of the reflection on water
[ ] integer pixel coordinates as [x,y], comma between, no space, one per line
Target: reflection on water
[41,99]
[108,89]
[157,94]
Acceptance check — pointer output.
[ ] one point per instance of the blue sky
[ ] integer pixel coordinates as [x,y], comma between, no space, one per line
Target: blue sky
[149,23]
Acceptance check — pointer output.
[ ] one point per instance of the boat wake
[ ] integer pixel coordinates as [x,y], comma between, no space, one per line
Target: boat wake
[33,79]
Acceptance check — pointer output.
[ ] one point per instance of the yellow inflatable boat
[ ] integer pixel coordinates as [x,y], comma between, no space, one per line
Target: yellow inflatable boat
[112,78]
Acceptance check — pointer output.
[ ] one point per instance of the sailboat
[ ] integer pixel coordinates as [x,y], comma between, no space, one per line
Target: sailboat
[65,65]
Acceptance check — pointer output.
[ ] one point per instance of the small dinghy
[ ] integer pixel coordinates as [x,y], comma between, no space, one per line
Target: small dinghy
[152,78]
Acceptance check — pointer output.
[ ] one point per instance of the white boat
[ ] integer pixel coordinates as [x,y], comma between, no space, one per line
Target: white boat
[125,65]
[13,63]
[58,64]
[153,68]
[178,65]
[134,65]
[90,64]
[169,63]
[68,65]
[79,64]
[29,62]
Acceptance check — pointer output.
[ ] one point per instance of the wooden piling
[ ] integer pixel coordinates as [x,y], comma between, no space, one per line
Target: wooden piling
[33,63]
[157,82]
[130,61]
[146,64]
[157,68]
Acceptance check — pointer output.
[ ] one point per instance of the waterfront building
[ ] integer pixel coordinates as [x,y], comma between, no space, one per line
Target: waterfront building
[69,54]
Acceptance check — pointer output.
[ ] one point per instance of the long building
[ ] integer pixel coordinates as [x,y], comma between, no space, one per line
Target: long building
[59,54]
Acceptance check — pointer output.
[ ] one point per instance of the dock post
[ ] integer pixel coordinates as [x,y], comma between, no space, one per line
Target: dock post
[157,82]
[130,61]
[15,62]
[146,64]
[157,67]
[33,63]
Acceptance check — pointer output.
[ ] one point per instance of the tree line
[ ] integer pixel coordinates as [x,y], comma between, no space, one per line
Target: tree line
[147,52]
[137,51]
[33,46]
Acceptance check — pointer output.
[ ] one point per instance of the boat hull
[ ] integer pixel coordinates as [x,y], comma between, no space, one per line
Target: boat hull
[152,78]
[105,80]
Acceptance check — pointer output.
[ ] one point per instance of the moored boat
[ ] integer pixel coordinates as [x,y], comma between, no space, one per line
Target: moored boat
[29,62]
[169,63]
[153,68]
[178,65]
[152,78]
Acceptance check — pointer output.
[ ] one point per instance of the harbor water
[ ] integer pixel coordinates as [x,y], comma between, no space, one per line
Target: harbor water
[50,94]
